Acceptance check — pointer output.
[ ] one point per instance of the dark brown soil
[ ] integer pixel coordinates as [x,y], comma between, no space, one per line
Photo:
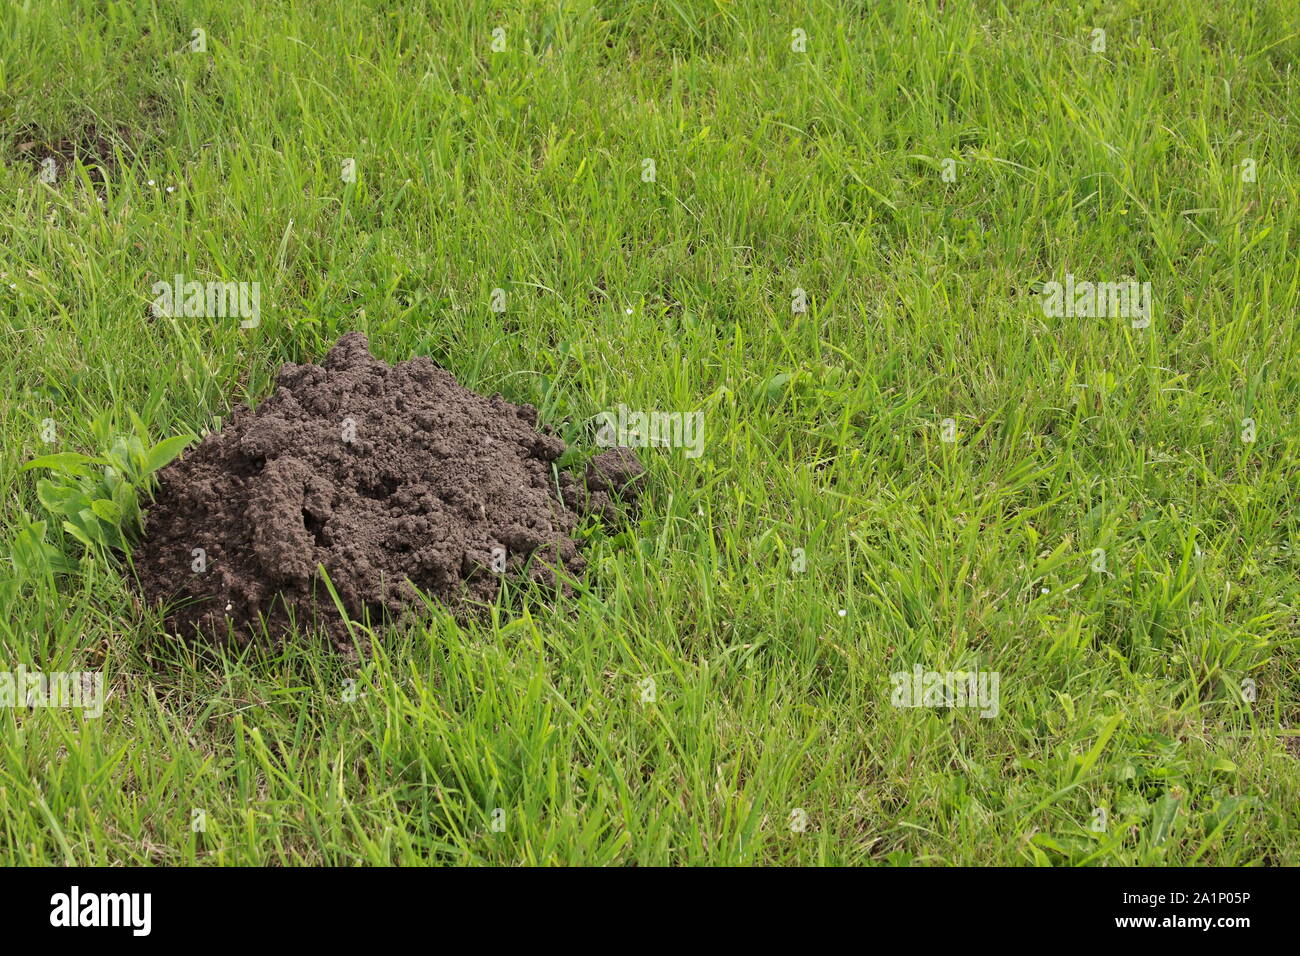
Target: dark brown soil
[388,476]
[92,147]
[92,141]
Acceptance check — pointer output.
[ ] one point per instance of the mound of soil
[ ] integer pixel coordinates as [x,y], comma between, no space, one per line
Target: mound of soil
[387,476]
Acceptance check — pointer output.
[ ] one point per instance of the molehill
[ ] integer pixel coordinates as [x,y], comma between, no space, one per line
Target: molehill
[390,477]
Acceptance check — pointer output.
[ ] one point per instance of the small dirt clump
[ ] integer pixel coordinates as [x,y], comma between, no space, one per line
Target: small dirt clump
[391,478]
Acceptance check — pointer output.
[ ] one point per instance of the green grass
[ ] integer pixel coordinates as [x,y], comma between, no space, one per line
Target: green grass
[775,170]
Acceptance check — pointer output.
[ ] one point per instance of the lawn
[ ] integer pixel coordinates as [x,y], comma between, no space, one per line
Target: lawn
[830,229]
